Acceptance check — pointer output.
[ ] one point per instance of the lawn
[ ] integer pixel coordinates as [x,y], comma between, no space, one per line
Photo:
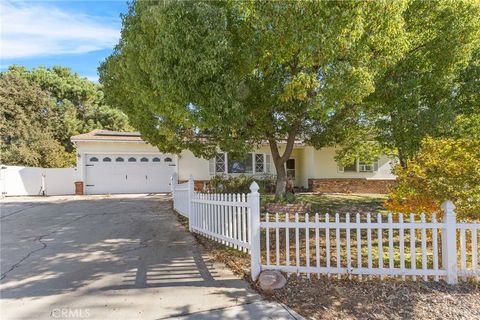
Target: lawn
[341,203]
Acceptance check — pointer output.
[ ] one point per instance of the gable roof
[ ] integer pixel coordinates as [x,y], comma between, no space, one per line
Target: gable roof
[107,135]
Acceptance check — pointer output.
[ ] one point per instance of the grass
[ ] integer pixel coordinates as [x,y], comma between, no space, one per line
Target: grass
[341,203]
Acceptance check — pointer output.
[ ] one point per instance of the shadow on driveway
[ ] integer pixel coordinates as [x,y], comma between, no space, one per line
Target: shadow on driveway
[109,258]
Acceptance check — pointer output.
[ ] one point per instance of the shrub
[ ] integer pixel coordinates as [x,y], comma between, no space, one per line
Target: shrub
[241,183]
[443,169]
[225,184]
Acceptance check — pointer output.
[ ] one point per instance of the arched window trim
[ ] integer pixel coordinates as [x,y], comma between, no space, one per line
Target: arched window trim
[167,159]
[107,159]
[119,159]
[93,159]
[132,159]
[144,159]
[156,159]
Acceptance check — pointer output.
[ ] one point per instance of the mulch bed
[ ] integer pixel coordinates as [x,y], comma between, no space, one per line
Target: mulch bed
[330,298]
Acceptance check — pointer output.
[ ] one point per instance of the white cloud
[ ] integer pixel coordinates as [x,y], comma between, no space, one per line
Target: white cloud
[92,78]
[29,30]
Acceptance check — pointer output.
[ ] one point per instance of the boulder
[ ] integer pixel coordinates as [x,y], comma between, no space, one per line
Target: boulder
[270,280]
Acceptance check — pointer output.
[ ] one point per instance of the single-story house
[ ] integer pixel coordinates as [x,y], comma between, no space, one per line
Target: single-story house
[121,162]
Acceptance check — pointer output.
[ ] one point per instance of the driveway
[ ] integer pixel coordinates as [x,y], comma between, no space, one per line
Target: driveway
[121,257]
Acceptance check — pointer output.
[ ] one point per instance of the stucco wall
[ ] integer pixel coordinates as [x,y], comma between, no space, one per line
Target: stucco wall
[188,165]
[325,166]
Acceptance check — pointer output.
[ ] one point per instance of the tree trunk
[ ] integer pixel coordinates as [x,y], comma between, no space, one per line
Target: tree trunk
[280,160]
[401,157]
[281,184]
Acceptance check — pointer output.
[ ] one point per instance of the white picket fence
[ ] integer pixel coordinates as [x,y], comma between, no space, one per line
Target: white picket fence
[359,245]
[182,194]
[221,217]
[368,247]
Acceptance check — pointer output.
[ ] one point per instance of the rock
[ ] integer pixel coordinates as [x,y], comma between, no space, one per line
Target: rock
[270,280]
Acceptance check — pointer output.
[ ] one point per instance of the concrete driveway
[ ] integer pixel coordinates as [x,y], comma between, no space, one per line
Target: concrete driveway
[121,257]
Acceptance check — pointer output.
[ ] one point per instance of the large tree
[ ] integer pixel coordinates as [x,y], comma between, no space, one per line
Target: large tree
[42,108]
[435,81]
[26,124]
[202,75]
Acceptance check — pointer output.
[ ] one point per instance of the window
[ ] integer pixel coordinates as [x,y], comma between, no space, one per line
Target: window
[365,167]
[132,159]
[268,163]
[259,163]
[251,163]
[220,163]
[290,168]
[144,159]
[107,159]
[119,159]
[93,159]
[240,165]
[156,159]
[168,160]
[360,166]
[351,167]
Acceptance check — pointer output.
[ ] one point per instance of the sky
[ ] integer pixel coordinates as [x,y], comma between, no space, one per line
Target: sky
[74,34]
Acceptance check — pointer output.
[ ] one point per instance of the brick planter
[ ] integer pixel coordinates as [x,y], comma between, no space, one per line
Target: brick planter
[287,207]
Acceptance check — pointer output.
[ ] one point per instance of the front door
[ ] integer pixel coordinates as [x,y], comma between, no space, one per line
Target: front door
[291,169]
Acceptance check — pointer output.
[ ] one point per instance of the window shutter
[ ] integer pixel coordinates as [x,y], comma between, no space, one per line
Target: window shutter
[211,166]
[268,159]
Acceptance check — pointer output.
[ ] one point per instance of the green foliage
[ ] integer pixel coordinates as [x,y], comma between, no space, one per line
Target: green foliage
[26,125]
[443,169]
[434,81]
[225,184]
[240,183]
[42,108]
[199,75]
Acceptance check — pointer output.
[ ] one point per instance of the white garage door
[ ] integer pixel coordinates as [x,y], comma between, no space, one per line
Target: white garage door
[121,173]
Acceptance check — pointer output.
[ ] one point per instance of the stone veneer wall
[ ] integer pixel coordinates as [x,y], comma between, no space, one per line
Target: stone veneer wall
[350,185]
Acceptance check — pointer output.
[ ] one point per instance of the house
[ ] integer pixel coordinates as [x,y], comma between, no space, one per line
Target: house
[121,162]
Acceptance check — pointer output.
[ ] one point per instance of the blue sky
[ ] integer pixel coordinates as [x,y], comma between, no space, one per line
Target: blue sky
[75,34]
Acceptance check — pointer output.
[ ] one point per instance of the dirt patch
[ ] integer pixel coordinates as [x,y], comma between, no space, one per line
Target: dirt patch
[326,298]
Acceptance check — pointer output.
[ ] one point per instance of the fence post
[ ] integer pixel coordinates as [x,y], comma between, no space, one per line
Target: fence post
[254,226]
[191,187]
[449,242]
[173,185]
[173,182]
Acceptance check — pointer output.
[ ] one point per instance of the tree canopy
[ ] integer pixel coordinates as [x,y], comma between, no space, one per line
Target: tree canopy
[42,108]
[203,75]
[435,80]
[443,169]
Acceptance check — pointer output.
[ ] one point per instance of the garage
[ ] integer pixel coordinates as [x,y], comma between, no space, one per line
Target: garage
[110,162]
[128,173]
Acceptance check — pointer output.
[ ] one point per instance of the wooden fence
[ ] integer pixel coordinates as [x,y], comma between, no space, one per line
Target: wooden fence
[348,245]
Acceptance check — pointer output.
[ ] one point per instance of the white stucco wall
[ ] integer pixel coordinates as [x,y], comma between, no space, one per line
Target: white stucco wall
[325,166]
[188,165]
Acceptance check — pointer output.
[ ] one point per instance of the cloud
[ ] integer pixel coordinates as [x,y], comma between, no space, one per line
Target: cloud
[92,78]
[30,30]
